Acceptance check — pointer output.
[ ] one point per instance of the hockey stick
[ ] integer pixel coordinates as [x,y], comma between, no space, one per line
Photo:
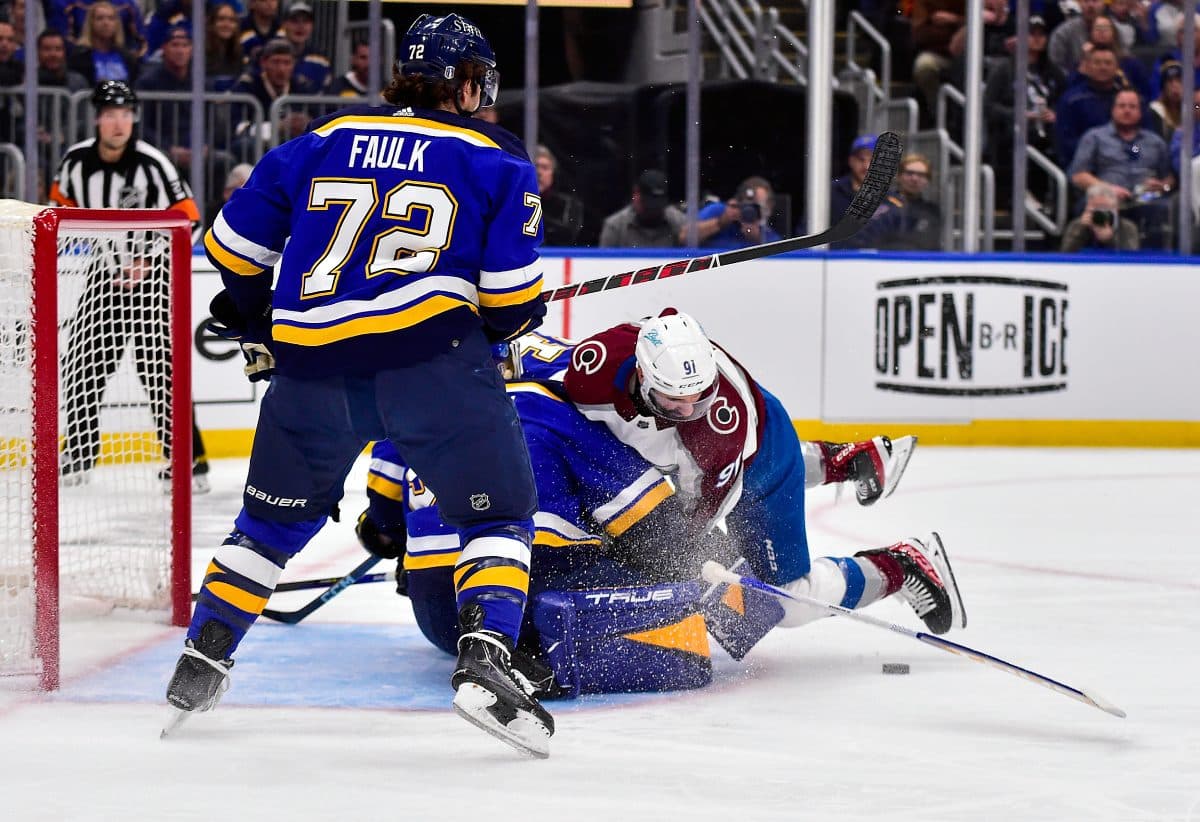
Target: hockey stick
[339,585]
[885,160]
[309,584]
[714,572]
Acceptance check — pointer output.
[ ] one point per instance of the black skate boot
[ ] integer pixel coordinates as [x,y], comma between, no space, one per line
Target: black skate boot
[201,675]
[922,575]
[491,695]
[874,466]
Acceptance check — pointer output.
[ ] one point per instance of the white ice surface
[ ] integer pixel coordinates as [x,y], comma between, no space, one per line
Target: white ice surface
[1079,564]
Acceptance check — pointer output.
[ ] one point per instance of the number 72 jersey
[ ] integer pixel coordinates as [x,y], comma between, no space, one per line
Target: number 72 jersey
[395,232]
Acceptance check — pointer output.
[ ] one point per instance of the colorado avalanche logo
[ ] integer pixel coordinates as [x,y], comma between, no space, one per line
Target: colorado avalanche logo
[723,417]
[588,357]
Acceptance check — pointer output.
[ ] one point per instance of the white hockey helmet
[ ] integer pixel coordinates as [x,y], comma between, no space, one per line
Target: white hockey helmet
[677,367]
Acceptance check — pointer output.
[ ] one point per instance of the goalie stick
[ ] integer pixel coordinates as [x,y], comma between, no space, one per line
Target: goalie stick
[714,572]
[885,160]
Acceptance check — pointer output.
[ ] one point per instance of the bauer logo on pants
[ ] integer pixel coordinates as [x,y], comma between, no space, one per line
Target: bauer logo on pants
[971,335]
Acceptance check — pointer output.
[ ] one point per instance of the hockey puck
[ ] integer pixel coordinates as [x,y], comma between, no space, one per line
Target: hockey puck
[895,667]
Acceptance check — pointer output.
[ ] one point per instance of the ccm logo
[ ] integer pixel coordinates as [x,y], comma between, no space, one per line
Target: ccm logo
[282,502]
[660,595]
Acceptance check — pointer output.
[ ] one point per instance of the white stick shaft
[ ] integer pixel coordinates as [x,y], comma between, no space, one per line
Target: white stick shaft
[714,572]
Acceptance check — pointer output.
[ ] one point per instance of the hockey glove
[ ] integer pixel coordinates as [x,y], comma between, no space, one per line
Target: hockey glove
[378,542]
[253,335]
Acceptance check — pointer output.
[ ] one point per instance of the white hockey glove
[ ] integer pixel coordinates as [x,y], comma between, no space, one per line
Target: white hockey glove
[260,362]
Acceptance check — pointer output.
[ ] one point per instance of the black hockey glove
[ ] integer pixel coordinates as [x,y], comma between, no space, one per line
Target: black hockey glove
[385,545]
[253,335]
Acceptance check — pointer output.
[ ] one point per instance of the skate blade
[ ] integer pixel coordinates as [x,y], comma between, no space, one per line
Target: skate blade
[941,562]
[524,733]
[173,724]
[901,453]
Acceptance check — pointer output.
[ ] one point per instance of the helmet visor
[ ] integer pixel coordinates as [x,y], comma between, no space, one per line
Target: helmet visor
[489,85]
[680,409]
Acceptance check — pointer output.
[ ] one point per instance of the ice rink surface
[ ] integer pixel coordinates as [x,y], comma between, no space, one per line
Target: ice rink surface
[1079,564]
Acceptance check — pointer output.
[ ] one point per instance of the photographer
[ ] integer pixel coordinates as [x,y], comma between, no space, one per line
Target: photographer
[1100,227]
[649,221]
[740,222]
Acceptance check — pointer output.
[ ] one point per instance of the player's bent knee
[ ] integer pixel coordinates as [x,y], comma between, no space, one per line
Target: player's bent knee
[623,640]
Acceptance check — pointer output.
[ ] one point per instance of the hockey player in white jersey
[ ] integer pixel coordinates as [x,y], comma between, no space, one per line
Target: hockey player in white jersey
[692,410]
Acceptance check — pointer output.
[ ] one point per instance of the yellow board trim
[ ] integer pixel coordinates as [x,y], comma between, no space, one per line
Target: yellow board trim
[236,442]
[228,259]
[360,326]
[686,635]
[657,493]
[242,600]
[507,576]
[1040,433]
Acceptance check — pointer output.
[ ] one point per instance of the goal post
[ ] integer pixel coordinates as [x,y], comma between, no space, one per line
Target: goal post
[95,421]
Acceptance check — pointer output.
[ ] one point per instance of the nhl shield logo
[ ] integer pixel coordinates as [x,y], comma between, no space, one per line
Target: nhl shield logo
[480,502]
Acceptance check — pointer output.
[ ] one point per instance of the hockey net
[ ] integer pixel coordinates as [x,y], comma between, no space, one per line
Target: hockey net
[95,422]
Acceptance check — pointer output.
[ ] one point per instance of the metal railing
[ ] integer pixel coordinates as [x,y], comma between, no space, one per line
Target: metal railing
[12,172]
[290,113]
[877,94]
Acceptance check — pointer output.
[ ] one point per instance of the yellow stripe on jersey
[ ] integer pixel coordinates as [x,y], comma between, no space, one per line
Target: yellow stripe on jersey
[417,124]
[385,486]
[530,292]
[361,326]
[649,501]
[550,539]
[422,562]
[532,388]
[508,576]
[236,597]
[227,258]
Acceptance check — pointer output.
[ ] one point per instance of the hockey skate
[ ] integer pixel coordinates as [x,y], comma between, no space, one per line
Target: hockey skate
[491,695]
[922,575]
[200,484]
[201,675]
[874,466]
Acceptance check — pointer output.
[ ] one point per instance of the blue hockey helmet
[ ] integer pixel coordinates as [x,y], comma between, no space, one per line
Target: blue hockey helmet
[434,46]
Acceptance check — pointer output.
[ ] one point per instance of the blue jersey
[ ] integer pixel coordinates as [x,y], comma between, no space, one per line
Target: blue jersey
[591,487]
[543,357]
[395,233]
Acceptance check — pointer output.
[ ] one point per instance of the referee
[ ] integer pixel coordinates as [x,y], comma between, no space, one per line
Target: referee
[115,170]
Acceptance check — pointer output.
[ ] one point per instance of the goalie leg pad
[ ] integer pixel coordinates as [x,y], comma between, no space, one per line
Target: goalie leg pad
[738,617]
[624,640]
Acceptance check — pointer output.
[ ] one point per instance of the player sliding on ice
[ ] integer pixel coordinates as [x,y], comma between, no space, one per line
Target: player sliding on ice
[614,593]
[406,238]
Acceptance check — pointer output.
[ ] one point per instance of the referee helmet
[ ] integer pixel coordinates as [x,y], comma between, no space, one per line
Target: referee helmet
[114,93]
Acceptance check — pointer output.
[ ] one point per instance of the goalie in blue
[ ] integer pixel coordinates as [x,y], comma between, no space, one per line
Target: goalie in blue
[405,240]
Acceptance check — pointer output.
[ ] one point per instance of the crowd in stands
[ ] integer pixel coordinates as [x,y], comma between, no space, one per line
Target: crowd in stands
[253,47]
[1103,103]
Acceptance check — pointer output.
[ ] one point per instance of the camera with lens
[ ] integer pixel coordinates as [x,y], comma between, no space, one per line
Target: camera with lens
[749,211]
[1100,219]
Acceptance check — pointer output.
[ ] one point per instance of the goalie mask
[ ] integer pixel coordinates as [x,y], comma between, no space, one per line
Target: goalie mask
[677,368]
[434,47]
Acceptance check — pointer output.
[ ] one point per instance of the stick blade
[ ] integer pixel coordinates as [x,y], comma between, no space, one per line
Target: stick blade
[1100,702]
[885,162]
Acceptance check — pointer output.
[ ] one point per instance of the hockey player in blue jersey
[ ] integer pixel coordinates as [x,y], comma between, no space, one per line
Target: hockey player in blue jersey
[405,239]
[614,603]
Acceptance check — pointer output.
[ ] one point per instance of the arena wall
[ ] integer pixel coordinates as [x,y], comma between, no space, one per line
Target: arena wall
[983,350]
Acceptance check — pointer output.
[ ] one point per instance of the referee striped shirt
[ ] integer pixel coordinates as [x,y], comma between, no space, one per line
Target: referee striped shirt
[144,177]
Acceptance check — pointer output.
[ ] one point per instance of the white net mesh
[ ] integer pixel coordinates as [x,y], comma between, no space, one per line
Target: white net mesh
[114,375]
